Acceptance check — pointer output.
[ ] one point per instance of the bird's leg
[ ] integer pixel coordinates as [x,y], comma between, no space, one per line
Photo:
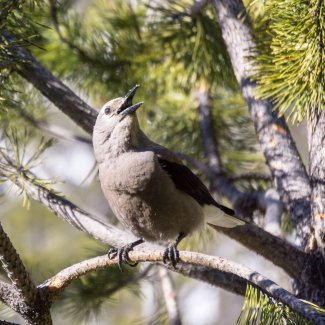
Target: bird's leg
[171,253]
[123,253]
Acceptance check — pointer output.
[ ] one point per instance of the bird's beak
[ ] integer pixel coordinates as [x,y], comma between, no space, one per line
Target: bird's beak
[127,106]
[131,109]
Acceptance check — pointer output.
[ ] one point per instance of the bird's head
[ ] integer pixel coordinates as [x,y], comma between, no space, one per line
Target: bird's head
[116,110]
[117,120]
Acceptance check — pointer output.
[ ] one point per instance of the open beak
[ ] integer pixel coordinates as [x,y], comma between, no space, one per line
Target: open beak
[127,106]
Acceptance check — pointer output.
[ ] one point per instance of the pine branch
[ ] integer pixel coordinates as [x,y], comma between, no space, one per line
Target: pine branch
[273,248]
[15,270]
[22,296]
[281,154]
[52,88]
[170,296]
[212,269]
[219,182]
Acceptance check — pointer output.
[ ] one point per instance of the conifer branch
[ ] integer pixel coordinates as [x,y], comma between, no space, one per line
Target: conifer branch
[211,269]
[288,257]
[15,270]
[281,154]
[52,88]
[22,296]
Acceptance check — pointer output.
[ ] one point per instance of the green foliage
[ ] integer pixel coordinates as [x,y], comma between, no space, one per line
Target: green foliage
[16,165]
[94,290]
[261,309]
[192,45]
[291,56]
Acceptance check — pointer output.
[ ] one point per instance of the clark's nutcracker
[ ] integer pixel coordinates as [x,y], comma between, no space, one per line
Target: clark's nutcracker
[152,193]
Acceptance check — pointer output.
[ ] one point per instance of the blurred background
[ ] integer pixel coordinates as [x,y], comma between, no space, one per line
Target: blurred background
[101,49]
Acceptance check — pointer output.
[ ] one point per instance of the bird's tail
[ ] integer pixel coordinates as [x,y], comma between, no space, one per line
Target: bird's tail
[226,218]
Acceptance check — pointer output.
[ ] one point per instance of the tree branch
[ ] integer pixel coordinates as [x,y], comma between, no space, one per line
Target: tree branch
[219,182]
[22,296]
[214,270]
[273,248]
[279,149]
[15,270]
[52,88]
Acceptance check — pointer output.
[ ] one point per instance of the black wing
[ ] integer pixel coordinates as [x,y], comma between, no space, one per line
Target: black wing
[186,181]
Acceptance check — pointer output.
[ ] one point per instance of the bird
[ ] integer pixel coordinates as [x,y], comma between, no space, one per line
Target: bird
[149,189]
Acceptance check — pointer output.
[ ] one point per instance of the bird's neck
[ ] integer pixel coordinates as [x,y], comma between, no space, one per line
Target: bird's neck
[126,137]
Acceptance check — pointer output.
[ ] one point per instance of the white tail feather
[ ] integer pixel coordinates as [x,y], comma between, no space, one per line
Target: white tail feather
[227,221]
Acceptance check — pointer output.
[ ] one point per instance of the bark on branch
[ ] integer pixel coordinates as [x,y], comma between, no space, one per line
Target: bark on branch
[288,257]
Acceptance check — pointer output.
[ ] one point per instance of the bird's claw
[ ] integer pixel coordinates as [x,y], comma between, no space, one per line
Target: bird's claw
[171,254]
[123,254]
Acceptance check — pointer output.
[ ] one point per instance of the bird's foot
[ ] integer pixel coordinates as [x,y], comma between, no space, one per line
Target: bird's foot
[171,252]
[123,254]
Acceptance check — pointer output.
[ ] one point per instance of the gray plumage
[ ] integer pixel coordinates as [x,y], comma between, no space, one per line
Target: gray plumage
[152,193]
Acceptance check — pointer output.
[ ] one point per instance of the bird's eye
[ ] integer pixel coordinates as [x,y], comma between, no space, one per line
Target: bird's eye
[107,110]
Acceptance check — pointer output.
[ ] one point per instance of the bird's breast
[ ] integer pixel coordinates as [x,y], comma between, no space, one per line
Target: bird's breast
[144,198]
